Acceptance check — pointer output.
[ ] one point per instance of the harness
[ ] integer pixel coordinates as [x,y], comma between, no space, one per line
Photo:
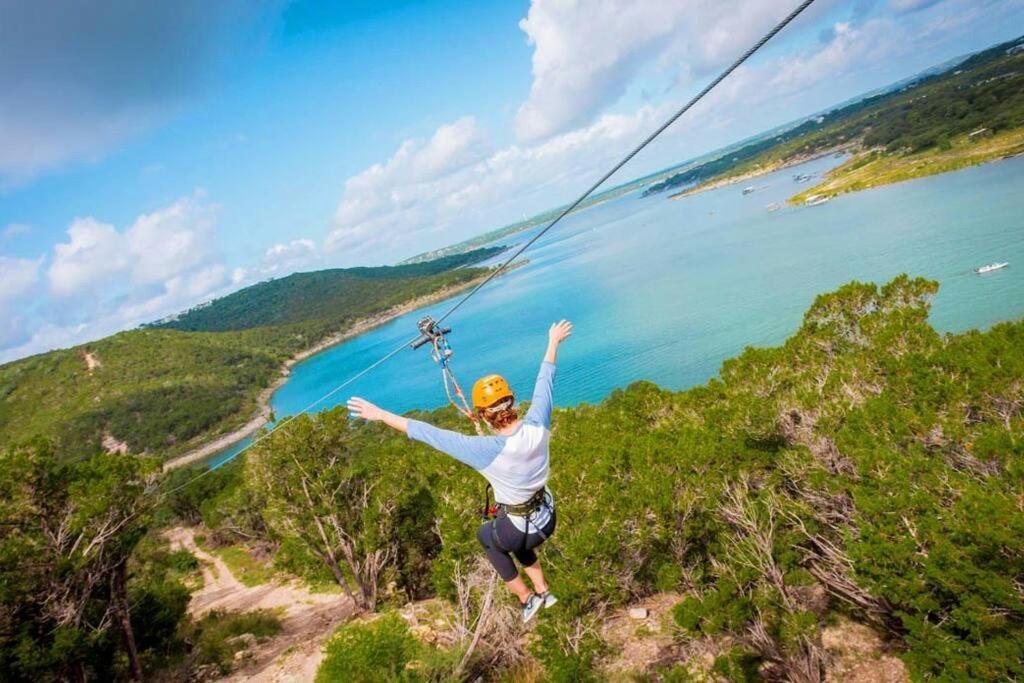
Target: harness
[525,510]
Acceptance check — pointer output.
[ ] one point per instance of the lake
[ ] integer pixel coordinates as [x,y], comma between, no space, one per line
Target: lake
[665,290]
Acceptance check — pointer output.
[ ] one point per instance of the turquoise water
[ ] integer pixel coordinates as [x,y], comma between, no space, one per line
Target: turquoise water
[666,290]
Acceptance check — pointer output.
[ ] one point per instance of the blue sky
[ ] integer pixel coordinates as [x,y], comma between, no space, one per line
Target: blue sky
[155,155]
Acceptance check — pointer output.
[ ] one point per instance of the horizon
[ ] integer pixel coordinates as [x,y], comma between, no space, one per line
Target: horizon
[83,260]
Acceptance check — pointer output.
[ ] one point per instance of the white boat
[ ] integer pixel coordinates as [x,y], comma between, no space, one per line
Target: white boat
[991,266]
[748,190]
[816,199]
[774,206]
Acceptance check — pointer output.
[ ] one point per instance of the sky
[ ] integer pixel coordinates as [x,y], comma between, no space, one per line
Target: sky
[156,155]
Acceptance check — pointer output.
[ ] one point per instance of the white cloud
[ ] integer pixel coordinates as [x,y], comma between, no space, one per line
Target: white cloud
[75,82]
[587,54]
[15,229]
[94,254]
[19,276]
[157,246]
[397,208]
[288,257]
[171,240]
[103,280]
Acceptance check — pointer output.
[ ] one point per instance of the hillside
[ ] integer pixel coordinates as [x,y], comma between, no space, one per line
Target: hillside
[857,489]
[929,117]
[335,295]
[165,388]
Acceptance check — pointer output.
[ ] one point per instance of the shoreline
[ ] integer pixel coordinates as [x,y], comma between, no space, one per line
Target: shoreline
[749,175]
[358,327]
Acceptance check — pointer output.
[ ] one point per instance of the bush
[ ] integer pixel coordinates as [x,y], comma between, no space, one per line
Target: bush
[382,651]
[214,632]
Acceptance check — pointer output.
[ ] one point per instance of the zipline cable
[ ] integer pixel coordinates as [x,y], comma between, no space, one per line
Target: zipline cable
[650,138]
[380,361]
[518,252]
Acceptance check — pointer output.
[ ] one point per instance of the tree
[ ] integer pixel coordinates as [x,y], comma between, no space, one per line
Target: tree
[318,488]
[69,529]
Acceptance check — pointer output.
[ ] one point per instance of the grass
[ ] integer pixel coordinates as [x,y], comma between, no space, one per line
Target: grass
[246,569]
[213,634]
[873,168]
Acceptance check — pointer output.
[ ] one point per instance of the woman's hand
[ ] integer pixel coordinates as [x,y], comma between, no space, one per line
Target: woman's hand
[559,332]
[360,407]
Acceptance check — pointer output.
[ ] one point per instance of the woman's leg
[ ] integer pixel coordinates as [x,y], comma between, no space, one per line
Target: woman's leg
[501,559]
[528,557]
[536,575]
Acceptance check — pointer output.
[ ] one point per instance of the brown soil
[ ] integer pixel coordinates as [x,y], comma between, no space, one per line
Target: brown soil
[308,619]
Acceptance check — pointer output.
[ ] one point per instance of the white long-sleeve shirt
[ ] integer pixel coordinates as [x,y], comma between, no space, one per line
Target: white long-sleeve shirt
[516,465]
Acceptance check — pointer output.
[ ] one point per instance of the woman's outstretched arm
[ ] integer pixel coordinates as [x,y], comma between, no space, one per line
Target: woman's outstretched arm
[543,393]
[360,407]
[476,451]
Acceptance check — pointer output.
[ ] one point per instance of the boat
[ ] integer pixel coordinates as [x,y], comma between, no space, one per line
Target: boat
[991,266]
[802,177]
[774,206]
[816,199]
[748,190]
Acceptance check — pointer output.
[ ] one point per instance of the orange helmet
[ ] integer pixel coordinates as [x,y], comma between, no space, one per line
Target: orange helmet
[489,390]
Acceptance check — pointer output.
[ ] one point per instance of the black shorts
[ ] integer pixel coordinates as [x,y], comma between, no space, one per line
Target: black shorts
[501,539]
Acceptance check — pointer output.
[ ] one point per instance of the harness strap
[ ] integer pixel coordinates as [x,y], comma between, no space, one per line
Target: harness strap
[536,501]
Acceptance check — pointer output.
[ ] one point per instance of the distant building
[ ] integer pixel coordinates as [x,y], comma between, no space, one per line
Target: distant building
[979,134]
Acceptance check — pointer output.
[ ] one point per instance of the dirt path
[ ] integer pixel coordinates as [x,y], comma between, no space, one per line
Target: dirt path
[308,618]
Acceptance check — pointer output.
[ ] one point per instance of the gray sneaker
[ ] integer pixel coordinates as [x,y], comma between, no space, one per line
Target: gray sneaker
[532,606]
[549,599]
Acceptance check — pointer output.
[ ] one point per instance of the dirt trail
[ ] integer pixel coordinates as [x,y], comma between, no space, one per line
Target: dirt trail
[308,618]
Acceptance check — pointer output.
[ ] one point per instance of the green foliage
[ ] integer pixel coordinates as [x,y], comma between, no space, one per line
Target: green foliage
[242,564]
[738,665]
[216,634]
[866,433]
[69,529]
[382,651]
[165,388]
[338,294]
[985,91]
[323,487]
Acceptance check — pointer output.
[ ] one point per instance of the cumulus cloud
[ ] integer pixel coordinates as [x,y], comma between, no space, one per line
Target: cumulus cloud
[398,207]
[586,55]
[171,240]
[76,78]
[19,276]
[93,254]
[287,257]
[104,280]
[157,246]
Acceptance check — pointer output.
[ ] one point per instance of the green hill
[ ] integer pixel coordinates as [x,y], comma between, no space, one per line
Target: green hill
[333,295]
[169,386]
[933,114]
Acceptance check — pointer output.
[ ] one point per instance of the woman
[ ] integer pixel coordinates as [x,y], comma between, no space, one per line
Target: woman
[514,461]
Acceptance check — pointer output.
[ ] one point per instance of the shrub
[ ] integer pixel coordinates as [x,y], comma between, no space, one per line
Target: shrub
[214,632]
[381,651]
